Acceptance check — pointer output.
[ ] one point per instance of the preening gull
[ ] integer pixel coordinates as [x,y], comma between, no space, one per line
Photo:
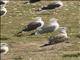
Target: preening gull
[53,26]
[4,48]
[61,37]
[55,4]
[38,24]
[3,11]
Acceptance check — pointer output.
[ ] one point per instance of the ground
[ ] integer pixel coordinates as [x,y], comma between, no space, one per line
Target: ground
[28,47]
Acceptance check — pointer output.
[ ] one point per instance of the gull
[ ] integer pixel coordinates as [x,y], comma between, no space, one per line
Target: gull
[32,1]
[35,25]
[3,3]
[4,48]
[61,37]
[53,26]
[3,11]
[54,5]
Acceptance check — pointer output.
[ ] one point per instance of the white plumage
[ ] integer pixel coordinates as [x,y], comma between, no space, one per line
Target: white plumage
[4,48]
[35,25]
[53,5]
[3,11]
[62,36]
[39,20]
[53,22]
[53,26]
[3,3]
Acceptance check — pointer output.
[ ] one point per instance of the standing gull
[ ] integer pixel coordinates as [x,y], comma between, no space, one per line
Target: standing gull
[4,48]
[38,24]
[61,37]
[54,5]
[53,26]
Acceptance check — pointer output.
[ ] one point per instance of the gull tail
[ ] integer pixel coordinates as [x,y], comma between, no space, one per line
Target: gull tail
[45,45]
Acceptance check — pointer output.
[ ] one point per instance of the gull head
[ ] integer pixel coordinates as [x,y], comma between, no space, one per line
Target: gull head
[38,18]
[59,2]
[53,20]
[63,29]
[63,32]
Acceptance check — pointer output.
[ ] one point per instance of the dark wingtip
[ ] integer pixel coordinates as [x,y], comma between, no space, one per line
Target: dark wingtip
[45,45]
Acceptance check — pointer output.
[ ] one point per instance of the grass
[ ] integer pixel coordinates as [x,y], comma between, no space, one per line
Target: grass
[28,47]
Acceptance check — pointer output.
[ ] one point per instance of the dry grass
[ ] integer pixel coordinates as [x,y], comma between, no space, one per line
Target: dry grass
[28,47]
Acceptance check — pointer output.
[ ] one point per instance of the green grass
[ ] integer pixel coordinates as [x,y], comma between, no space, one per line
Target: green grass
[28,47]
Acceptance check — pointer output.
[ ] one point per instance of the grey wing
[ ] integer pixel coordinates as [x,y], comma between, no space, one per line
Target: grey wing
[47,29]
[50,6]
[56,39]
[53,5]
[33,1]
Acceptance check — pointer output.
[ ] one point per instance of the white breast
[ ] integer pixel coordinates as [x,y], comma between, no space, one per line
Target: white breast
[5,48]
